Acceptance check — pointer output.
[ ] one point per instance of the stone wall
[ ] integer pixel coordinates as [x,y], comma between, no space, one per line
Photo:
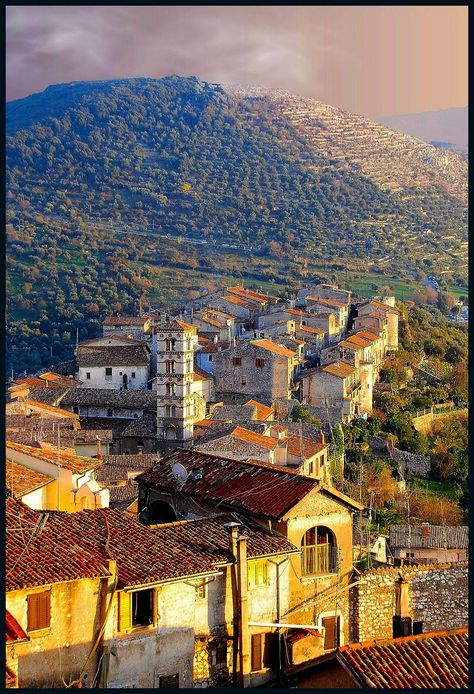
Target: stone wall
[438,597]
[411,463]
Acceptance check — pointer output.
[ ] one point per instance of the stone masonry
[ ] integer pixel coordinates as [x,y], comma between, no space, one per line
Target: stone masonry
[438,597]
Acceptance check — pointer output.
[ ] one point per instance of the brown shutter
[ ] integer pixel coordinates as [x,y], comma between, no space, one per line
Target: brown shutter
[125,611]
[331,636]
[270,651]
[39,611]
[256,652]
[32,612]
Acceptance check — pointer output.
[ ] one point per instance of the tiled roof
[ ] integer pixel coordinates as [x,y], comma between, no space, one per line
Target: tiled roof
[358,340]
[202,373]
[79,545]
[308,329]
[303,446]
[11,680]
[204,423]
[125,399]
[435,660]
[369,334]
[37,422]
[111,339]
[346,344]
[332,303]
[13,630]
[340,369]
[47,395]
[125,320]
[116,424]
[53,555]
[263,411]
[74,463]
[50,409]
[68,438]
[252,295]
[66,368]
[255,438]
[144,426]
[113,355]
[274,347]
[297,312]
[212,321]
[116,468]
[21,480]
[211,347]
[261,488]
[429,536]
[222,314]
[240,302]
[121,496]
[380,305]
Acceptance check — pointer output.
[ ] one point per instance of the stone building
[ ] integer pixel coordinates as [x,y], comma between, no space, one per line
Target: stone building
[137,327]
[334,390]
[429,544]
[258,366]
[387,311]
[205,354]
[340,309]
[115,367]
[310,514]
[179,605]
[176,402]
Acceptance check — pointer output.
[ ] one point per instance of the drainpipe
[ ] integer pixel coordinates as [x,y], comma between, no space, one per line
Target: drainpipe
[244,650]
[233,530]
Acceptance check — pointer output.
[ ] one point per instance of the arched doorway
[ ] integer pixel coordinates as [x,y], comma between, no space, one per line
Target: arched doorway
[125,381]
[319,555]
[170,433]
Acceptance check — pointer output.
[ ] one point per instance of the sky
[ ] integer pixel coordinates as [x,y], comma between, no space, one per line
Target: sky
[376,61]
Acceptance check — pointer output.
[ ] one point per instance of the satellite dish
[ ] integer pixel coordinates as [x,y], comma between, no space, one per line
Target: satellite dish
[179,472]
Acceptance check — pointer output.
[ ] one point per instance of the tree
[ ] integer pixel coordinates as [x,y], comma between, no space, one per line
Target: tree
[301,413]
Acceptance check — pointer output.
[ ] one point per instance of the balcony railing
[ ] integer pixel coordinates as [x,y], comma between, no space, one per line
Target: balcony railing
[317,560]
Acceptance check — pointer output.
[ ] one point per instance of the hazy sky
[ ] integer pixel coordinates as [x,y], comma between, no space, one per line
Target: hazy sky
[375,61]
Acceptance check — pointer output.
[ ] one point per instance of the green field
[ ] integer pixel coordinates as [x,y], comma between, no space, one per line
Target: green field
[448,489]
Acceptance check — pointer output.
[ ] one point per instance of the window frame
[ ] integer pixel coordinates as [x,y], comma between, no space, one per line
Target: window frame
[259,363]
[34,608]
[236,361]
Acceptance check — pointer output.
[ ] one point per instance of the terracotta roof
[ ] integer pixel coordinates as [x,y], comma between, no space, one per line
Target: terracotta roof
[252,295]
[298,312]
[340,369]
[125,320]
[69,437]
[259,488]
[113,355]
[95,397]
[263,411]
[212,321]
[435,660]
[429,536]
[78,545]
[51,409]
[223,314]
[211,347]
[369,335]
[22,480]
[204,423]
[110,341]
[203,340]
[386,307]
[350,345]
[308,329]
[115,468]
[255,438]
[273,347]
[326,302]
[141,427]
[359,340]
[13,631]
[303,446]
[185,326]
[11,680]
[240,302]
[202,373]
[74,463]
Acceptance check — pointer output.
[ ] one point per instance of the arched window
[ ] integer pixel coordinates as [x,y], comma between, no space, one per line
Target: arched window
[170,367]
[170,389]
[170,344]
[319,554]
[170,433]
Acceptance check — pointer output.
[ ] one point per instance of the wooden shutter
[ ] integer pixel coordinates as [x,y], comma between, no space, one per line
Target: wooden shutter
[256,652]
[39,611]
[331,635]
[124,611]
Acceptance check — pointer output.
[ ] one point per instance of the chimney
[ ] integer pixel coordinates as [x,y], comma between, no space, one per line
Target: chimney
[99,447]
[425,529]
[402,624]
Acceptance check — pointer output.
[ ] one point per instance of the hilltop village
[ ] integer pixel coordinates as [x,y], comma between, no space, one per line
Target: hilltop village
[178,513]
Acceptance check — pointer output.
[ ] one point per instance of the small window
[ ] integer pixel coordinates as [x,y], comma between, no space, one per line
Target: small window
[201,589]
[243,380]
[75,409]
[236,361]
[135,415]
[110,412]
[39,611]
[417,628]
[331,632]
[142,608]
[169,681]
[257,573]
[221,653]
[310,468]
[133,374]
[210,357]
[256,656]
[108,373]
[88,375]
[259,363]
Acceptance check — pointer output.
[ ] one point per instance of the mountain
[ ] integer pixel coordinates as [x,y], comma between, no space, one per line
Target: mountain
[113,187]
[447,128]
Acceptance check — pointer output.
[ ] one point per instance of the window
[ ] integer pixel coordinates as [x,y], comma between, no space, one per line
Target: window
[39,611]
[88,375]
[201,589]
[188,344]
[169,681]
[170,344]
[243,380]
[170,410]
[110,412]
[209,357]
[170,389]
[417,628]
[75,409]
[170,367]
[310,468]
[331,632]
[133,374]
[259,363]
[221,653]
[108,373]
[236,361]
[263,651]
[136,609]
[319,552]
[189,366]
[257,573]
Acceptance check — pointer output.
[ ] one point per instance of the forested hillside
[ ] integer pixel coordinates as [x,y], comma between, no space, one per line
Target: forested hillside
[187,161]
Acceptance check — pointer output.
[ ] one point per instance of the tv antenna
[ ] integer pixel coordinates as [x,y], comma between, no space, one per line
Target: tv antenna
[179,472]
